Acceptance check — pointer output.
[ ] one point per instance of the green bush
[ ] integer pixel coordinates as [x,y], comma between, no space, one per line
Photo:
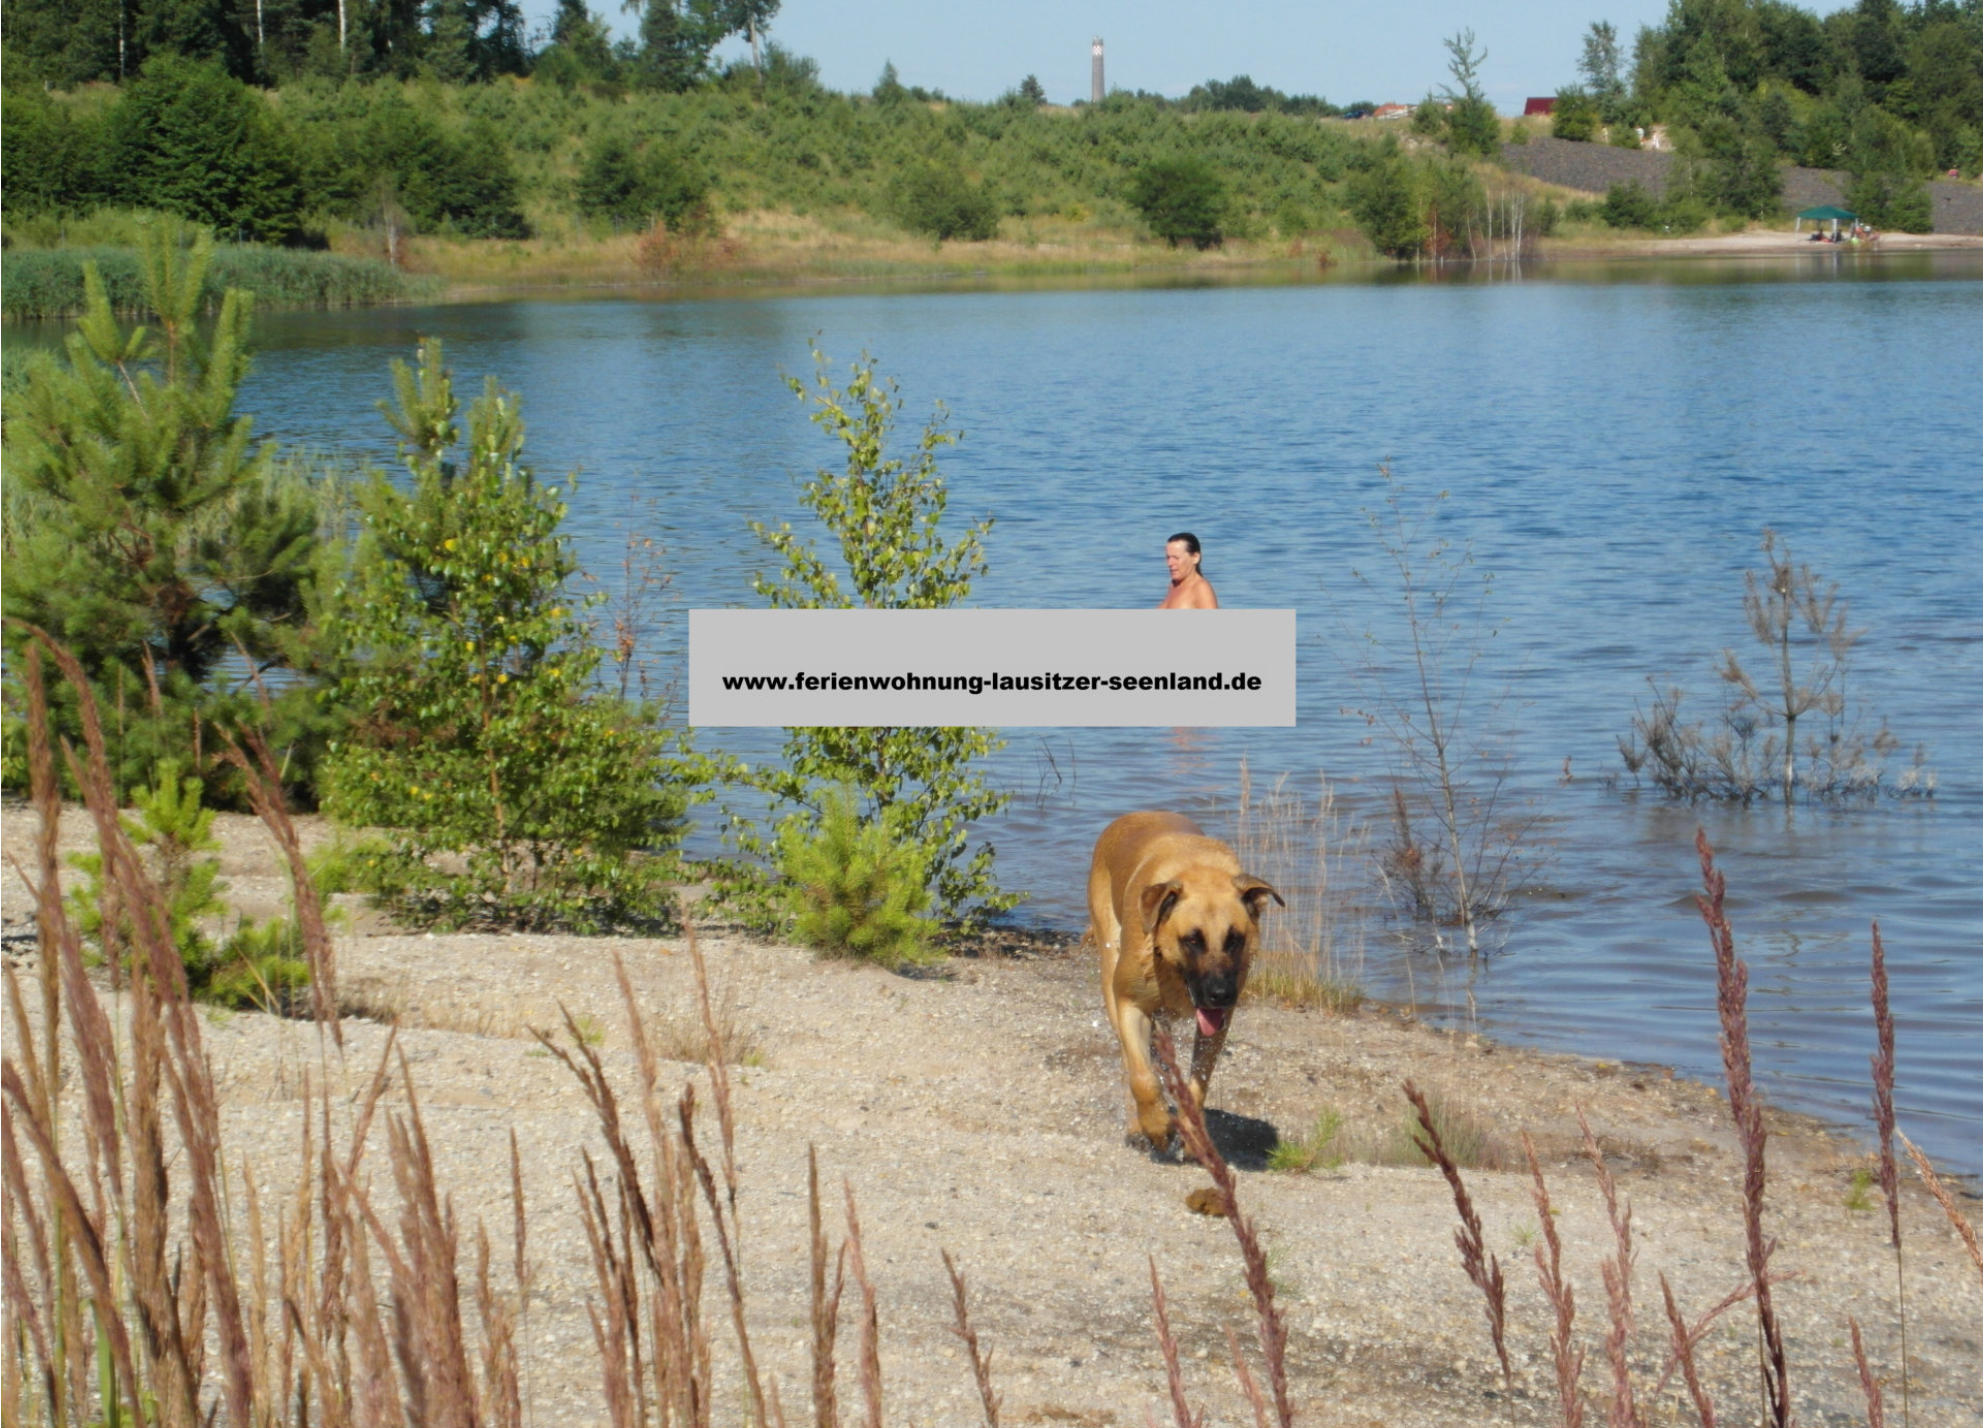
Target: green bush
[936,199]
[630,188]
[146,533]
[885,513]
[1575,115]
[479,740]
[1629,205]
[258,965]
[853,889]
[1183,200]
[190,140]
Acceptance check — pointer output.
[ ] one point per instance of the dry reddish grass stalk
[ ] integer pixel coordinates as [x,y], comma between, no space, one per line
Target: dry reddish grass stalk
[1566,1355]
[1683,1349]
[1167,1345]
[981,1363]
[1869,1385]
[1617,1273]
[871,1341]
[826,1307]
[1732,980]
[1270,1328]
[265,795]
[1882,1066]
[1482,1268]
[1936,1188]
[132,1221]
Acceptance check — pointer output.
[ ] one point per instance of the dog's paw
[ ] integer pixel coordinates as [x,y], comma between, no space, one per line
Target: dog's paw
[1207,1200]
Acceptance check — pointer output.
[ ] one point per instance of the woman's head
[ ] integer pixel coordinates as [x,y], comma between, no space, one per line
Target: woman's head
[1181,555]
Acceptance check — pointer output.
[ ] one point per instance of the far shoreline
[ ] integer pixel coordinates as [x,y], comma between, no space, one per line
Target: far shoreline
[950,269]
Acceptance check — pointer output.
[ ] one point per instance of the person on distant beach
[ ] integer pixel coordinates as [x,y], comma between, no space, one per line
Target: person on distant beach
[1190,590]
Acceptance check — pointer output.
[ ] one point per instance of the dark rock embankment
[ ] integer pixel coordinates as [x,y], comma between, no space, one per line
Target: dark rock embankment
[1593,168]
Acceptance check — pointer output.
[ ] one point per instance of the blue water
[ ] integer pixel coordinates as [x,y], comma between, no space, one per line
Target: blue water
[1612,443]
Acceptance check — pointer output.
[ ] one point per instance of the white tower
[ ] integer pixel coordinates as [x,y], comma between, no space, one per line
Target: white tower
[1095,71]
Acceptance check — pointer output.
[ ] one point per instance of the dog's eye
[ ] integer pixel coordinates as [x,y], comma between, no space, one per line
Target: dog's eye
[1193,942]
[1235,941]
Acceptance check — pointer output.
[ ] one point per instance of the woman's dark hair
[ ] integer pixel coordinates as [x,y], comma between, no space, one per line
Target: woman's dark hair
[1191,545]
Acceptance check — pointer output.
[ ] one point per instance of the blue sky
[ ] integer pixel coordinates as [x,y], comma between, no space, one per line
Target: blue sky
[977,49]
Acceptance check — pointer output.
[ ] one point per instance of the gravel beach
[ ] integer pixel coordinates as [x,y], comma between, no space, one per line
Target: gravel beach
[979,1110]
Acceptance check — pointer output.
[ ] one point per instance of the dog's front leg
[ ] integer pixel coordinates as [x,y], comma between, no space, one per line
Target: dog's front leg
[1148,1116]
[1205,1056]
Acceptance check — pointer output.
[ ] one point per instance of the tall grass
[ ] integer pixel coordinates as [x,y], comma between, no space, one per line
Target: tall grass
[1312,954]
[48,283]
[147,1301]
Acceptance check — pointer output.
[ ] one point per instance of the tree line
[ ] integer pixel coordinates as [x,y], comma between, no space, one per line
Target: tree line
[1888,92]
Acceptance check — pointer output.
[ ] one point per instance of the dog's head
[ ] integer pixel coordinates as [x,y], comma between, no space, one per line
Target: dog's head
[1203,926]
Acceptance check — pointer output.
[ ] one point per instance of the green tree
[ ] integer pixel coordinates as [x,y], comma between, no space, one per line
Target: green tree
[1575,115]
[1183,199]
[1387,202]
[886,515]
[187,138]
[853,890]
[1030,91]
[933,197]
[49,164]
[1885,161]
[1598,67]
[146,531]
[468,670]
[1471,126]
[1735,169]
[1629,205]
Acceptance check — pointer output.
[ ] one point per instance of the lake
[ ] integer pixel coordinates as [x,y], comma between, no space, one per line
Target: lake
[1613,440]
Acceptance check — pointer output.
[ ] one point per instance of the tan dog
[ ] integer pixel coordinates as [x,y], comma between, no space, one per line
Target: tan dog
[1176,922]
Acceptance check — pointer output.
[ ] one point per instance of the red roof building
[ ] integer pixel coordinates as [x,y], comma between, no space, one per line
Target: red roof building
[1538,106]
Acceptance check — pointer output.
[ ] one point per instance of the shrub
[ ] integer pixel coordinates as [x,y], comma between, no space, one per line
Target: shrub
[936,199]
[1629,205]
[1575,115]
[468,672]
[1754,747]
[1183,200]
[256,966]
[188,139]
[630,189]
[853,888]
[144,532]
[885,514]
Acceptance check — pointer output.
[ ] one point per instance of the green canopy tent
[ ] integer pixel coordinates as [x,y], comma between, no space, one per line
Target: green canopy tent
[1825,212]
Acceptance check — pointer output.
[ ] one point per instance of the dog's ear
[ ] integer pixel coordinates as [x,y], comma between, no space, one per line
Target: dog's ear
[1158,900]
[1255,893]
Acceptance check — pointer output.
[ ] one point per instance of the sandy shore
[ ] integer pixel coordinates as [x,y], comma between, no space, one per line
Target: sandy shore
[980,1111]
[1757,245]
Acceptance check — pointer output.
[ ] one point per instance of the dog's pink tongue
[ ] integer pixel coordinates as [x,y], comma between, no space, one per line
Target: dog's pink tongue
[1211,1019]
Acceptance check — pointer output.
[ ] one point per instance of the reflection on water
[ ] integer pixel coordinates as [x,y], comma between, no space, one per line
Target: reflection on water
[1614,438]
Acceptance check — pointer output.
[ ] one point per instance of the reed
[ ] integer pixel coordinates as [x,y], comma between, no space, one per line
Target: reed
[1935,1186]
[1167,1346]
[981,1362]
[1566,1355]
[1482,1267]
[1881,1064]
[141,1297]
[1617,1274]
[1312,954]
[41,284]
[1732,987]
[1270,1327]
